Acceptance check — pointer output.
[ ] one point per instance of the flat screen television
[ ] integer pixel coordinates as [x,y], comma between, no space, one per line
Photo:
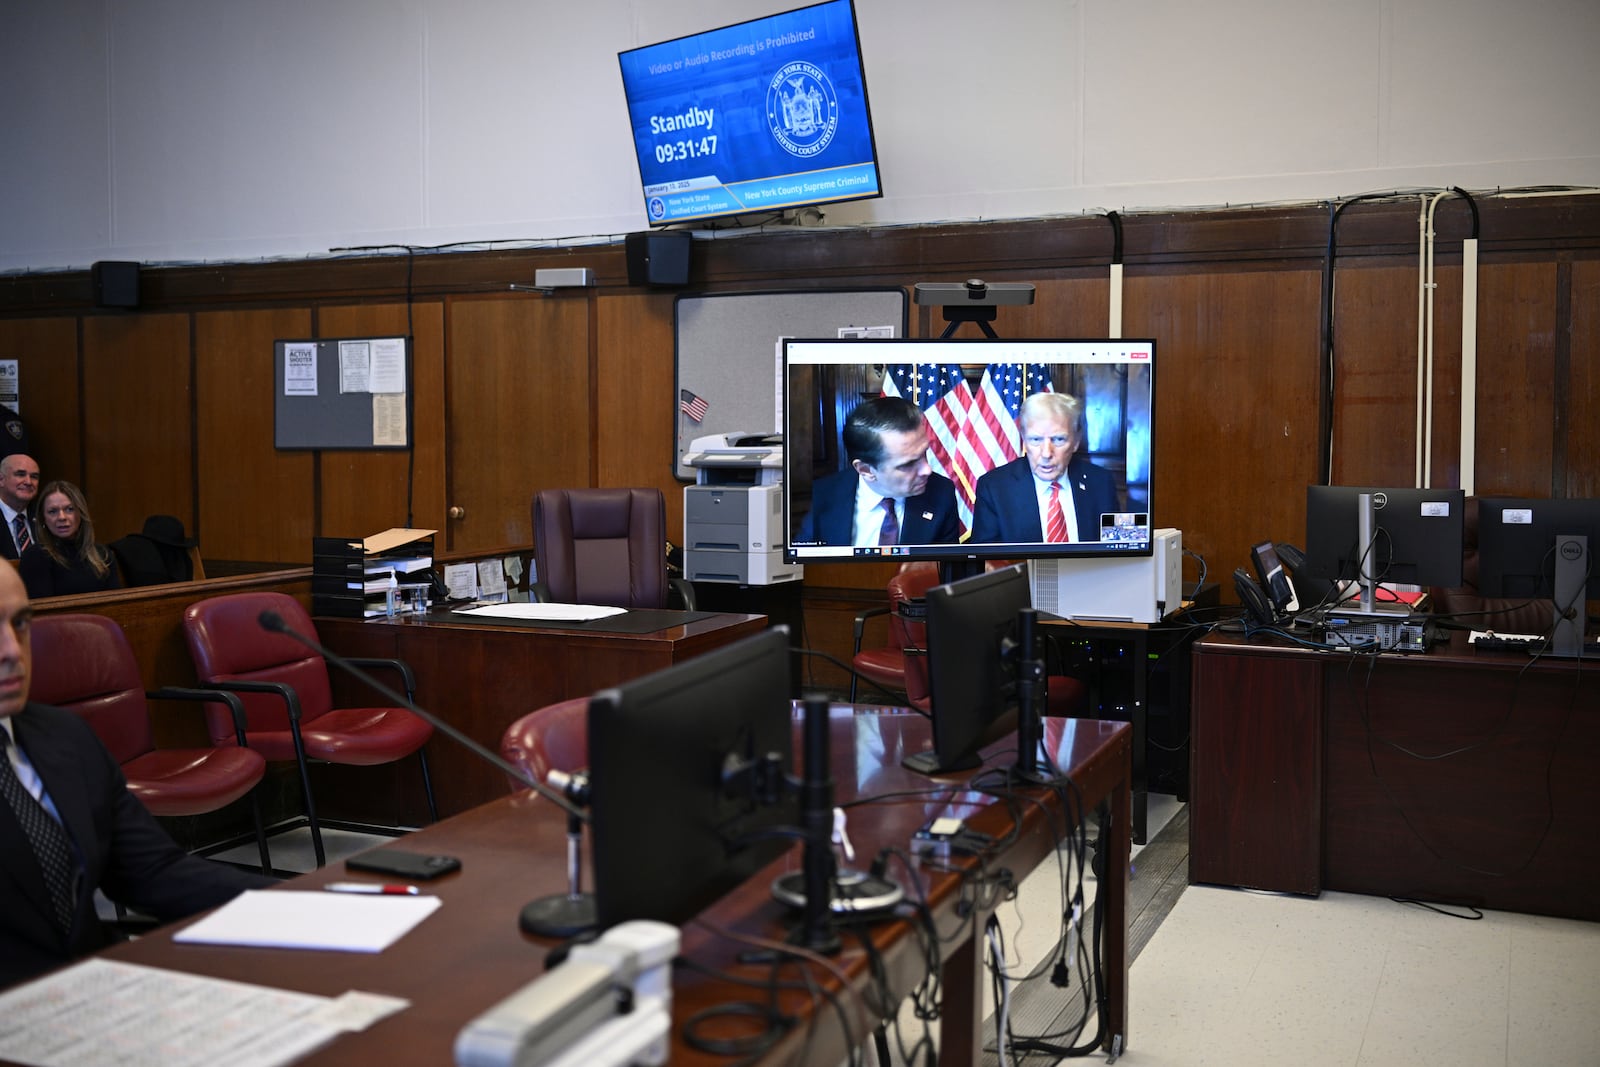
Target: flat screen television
[970,392]
[972,666]
[1546,550]
[1416,540]
[685,779]
[760,116]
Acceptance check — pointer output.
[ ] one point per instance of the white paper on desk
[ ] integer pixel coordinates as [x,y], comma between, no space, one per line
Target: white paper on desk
[78,1017]
[340,922]
[544,612]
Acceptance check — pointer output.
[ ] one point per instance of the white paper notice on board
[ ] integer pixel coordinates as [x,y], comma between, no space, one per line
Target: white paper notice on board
[9,395]
[300,369]
[355,367]
[389,419]
[388,365]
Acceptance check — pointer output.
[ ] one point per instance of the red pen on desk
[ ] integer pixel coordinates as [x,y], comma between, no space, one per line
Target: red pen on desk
[368,887]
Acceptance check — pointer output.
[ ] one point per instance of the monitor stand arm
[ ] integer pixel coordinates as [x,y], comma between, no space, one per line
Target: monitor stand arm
[1030,701]
[822,890]
[1573,561]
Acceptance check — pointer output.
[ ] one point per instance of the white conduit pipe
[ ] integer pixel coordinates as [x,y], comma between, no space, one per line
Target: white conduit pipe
[1422,328]
[1469,364]
[1114,312]
[1428,289]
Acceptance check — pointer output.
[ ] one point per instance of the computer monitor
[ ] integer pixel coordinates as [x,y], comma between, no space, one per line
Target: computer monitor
[976,498]
[1542,549]
[761,116]
[687,772]
[1415,538]
[971,665]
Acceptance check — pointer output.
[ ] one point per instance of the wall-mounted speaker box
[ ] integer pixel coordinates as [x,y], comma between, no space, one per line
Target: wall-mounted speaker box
[115,284]
[658,258]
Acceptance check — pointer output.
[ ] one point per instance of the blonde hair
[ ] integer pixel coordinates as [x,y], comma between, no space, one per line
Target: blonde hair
[83,545]
[1063,407]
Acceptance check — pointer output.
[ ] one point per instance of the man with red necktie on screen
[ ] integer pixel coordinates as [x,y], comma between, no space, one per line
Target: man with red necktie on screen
[1050,494]
[888,495]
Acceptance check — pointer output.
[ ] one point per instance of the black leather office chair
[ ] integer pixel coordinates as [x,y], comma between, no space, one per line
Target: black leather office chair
[603,546]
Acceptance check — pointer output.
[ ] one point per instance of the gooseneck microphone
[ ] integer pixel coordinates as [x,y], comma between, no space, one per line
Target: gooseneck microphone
[272,622]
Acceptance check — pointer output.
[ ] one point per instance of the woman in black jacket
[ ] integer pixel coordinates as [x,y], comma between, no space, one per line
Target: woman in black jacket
[66,558]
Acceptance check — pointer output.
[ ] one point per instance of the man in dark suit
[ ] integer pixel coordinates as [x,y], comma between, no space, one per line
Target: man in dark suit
[1049,493]
[888,495]
[19,484]
[53,767]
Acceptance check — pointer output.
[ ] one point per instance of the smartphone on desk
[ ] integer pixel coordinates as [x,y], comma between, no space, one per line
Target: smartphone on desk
[414,866]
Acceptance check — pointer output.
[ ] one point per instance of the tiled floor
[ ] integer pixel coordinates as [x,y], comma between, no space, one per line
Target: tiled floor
[1244,979]
[1241,978]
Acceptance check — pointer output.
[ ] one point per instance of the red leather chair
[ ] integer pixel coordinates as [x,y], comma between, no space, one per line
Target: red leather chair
[553,738]
[288,702]
[603,546]
[83,663]
[908,640]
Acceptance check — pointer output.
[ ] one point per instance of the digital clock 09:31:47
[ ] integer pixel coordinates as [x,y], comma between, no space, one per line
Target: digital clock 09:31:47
[682,150]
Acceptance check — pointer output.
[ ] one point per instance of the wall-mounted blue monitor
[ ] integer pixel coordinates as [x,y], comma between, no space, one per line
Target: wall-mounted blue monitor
[759,116]
[980,488]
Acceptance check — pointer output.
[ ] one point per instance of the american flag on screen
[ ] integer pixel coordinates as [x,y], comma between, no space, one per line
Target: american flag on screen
[692,405]
[972,433]
[991,435]
[944,396]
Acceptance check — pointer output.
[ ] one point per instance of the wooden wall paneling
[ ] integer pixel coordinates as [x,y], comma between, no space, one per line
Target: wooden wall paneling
[1375,375]
[1517,386]
[138,420]
[1062,307]
[1235,437]
[519,417]
[1582,391]
[1444,464]
[46,351]
[637,408]
[257,504]
[365,492]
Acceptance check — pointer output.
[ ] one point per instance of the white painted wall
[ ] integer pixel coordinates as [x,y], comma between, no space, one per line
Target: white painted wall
[184,130]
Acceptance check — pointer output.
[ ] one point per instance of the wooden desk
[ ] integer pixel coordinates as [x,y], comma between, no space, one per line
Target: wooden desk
[470,953]
[1452,775]
[480,676]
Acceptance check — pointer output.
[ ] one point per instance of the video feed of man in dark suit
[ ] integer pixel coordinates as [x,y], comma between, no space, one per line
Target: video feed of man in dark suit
[1051,493]
[888,493]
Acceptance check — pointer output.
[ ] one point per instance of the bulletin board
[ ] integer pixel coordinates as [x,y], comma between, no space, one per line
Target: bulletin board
[729,357]
[342,393]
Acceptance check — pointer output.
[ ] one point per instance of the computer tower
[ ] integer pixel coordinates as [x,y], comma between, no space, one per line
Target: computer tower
[1113,588]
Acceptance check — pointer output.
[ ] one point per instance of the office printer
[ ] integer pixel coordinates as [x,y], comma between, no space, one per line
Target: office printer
[733,514]
[760,453]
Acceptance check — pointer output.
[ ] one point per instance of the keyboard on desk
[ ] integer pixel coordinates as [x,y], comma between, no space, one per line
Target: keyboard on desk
[1507,642]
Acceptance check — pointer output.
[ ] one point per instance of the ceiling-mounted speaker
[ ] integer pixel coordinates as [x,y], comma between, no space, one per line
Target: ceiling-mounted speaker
[115,284]
[658,258]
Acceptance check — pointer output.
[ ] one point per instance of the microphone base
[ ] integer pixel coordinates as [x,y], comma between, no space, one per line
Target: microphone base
[559,916]
[851,892]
